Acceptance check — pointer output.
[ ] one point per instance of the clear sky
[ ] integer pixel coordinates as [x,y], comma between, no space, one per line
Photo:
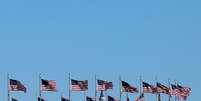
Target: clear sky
[151,38]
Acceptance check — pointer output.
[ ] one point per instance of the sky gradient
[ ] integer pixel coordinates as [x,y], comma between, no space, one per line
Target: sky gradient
[109,38]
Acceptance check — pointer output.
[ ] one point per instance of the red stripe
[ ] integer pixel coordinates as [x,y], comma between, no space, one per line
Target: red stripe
[100,87]
[76,88]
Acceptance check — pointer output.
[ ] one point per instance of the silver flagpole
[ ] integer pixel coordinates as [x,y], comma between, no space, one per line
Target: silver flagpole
[106,96]
[169,89]
[175,85]
[157,94]
[84,95]
[127,97]
[40,93]
[69,89]
[95,88]
[8,84]
[36,96]
[120,88]
[140,85]
[176,82]
[141,89]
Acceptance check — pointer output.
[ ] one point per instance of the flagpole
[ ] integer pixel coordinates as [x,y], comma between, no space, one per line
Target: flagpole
[127,97]
[36,96]
[169,89]
[84,95]
[8,84]
[157,94]
[95,87]
[140,85]
[40,93]
[176,83]
[106,95]
[141,89]
[69,89]
[120,88]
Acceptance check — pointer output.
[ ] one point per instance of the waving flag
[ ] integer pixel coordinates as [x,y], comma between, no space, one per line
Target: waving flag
[16,85]
[185,90]
[175,90]
[162,88]
[147,88]
[128,88]
[140,98]
[48,85]
[103,85]
[180,92]
[79,85]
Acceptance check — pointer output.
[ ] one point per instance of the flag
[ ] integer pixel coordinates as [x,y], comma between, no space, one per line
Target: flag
[103,85]
[185,90]
[64,99]
[48,85]
[128,88]
[89,99]
[41,99]
[175,90]
[112,99]
[16,85]
[162,88]
[79,85]
[140,98]
[147,88]
[13,99]
[181,92]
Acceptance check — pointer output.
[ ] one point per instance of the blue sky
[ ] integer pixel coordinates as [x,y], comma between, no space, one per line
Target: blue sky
[103,37]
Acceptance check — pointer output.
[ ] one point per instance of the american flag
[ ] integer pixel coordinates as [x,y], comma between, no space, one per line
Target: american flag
[16,85]
[48,85]
[147,88]
[180,92]
[103,85]
[128,88]
[140,98]
[79,85]
[185,90]
[175,90]
[162,88]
